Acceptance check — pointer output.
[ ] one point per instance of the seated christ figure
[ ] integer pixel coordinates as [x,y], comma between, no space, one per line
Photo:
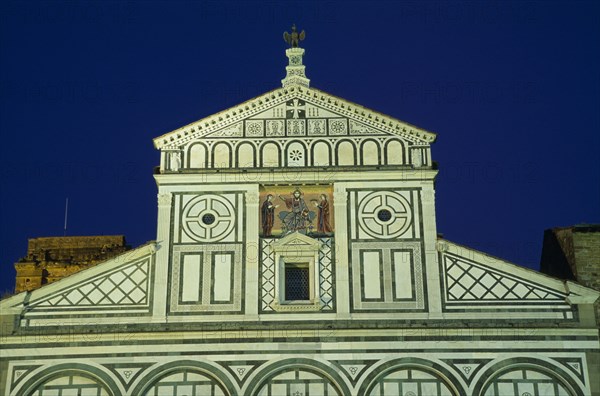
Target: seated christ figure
[298,218]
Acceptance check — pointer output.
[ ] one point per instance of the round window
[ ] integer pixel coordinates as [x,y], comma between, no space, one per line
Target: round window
[384,215]
[208,218]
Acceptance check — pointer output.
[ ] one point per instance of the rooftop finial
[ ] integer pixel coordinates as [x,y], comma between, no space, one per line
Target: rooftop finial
[295,68]
[293,38]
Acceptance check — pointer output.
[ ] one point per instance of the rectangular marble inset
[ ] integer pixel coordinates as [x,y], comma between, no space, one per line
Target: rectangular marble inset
[220,279]
[402,269]
[222,275]
[190,277]
[371,275]
[400,276]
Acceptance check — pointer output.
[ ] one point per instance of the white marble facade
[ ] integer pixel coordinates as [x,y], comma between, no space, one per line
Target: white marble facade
[342,288]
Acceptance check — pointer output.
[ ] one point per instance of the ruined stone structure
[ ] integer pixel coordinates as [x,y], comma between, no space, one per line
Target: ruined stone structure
[297,254]
[52,258]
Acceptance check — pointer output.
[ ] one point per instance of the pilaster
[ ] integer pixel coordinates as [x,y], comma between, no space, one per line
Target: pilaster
[163,240]
[431,254]
[342,291]
[252,253]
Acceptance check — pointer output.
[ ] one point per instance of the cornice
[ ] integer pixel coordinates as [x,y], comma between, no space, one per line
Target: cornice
[294,176]
[278,96]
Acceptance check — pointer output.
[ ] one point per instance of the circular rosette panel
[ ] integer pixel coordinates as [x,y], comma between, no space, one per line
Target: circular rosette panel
[208,218]
[384,214]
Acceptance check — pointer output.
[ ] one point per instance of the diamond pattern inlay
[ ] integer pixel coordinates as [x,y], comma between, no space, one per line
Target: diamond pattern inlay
[467,281]
[326,274]
[126,286]
[267,277]
[267,274]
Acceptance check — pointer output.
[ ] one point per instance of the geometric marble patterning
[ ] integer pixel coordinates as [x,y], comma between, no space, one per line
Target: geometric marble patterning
[526,383]
[469,281]
[326,274]
[71,385]
[267,274]
[410,382]
[298,382]
[125,286]
[185,383]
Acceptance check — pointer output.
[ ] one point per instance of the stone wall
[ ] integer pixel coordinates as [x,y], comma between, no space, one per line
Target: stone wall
[574,253]
[52,258]
[586,246]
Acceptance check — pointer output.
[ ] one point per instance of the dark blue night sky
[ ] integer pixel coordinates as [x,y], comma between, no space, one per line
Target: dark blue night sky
[511,88]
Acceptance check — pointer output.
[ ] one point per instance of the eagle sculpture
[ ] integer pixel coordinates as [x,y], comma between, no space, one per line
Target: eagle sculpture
[293,38]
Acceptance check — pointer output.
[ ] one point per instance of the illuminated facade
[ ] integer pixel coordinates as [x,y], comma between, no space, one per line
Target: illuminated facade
[297,254]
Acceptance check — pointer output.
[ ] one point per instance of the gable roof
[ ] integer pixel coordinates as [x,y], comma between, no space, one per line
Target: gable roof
[279,96]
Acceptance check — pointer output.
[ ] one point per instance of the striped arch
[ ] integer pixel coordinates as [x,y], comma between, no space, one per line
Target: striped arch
[406,375]
[515,372]
[182,369]
[317,372]
[96,377]
[370,152]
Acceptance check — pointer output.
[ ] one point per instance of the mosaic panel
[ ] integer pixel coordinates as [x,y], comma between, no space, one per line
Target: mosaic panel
[306,209]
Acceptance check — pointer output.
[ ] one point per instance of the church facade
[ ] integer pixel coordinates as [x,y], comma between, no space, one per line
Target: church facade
[297,254]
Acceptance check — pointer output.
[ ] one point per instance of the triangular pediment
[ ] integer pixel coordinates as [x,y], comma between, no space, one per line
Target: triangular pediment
[296,240]
[121,284]
[295,111]
[474,280]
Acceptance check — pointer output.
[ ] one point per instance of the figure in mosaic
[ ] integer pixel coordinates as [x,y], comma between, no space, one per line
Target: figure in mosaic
[323,225]
[298,218]
[268,215]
